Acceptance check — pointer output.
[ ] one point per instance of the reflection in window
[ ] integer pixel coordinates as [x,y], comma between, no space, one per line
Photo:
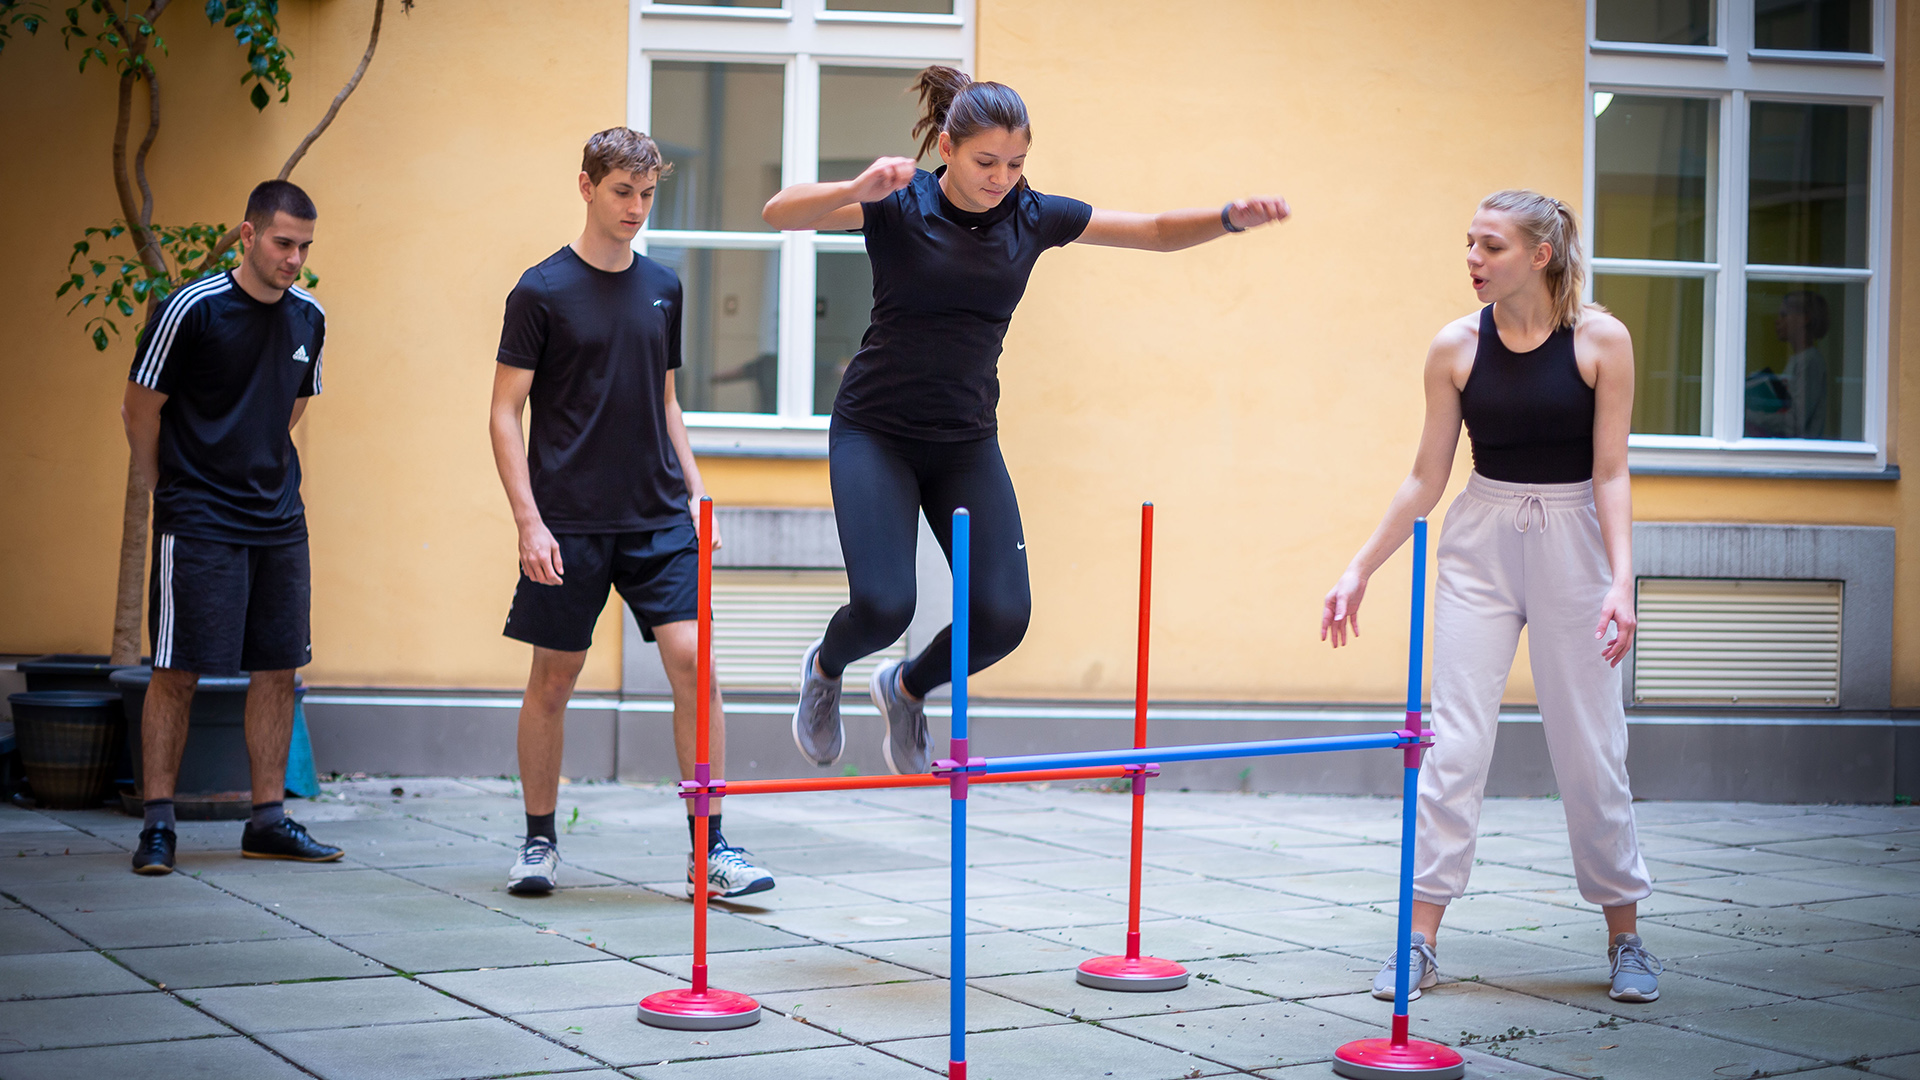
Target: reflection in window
[1667,317]
[1814,25]
[908,7]
[1805,359]
[865,113]
[1809,185]
[844,282]
[1653,177]
[1655,22]
[719,124]
[730,328]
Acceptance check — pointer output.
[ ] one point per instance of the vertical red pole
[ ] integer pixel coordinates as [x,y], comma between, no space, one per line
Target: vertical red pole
[1142,636]
[702,769]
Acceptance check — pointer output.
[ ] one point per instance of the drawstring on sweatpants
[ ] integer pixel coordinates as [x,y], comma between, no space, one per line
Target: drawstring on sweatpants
[1530,504]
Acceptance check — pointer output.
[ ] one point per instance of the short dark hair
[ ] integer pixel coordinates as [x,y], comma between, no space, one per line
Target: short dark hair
[622,149]
[1813,308]
[270,197]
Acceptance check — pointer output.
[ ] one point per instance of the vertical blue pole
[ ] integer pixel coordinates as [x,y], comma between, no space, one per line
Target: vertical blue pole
[1410,784]
[957,946]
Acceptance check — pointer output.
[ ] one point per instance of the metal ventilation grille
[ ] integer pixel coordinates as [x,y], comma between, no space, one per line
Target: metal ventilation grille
[764,620]
[1715,642]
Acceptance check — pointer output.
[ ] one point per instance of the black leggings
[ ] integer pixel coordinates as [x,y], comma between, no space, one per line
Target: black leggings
[880,485]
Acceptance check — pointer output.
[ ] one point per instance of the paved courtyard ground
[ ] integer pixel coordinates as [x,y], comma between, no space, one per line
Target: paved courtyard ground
[1791,936]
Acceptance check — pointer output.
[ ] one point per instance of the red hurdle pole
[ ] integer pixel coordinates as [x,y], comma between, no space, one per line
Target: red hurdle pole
[701,1008]
[1134,972]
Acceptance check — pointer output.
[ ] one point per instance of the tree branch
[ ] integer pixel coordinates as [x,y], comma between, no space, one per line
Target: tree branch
[146,144]
[232,236]
[138,217]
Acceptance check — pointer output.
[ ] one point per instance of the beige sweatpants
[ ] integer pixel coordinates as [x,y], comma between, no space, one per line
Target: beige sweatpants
[1514,555]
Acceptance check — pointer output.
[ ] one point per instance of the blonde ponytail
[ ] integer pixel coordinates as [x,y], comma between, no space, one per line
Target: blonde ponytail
[1543,219]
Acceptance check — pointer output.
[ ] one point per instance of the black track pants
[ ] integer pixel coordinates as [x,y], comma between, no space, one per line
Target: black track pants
[880,485]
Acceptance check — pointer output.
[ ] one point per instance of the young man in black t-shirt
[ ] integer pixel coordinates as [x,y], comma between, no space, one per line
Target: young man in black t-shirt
[222,374]
[602,491]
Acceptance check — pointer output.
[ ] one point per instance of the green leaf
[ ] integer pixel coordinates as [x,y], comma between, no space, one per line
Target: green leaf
[259,97]
[99,339]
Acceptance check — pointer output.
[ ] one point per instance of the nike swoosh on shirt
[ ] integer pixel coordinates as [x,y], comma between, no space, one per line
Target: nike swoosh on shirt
[1021,546]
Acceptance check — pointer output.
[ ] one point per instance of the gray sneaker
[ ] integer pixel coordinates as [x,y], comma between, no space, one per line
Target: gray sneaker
[905,745]
[1425,975]
[817,730]
[1636,972]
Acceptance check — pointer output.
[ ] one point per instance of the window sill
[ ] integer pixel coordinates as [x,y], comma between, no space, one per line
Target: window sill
[749,435]
[701,11]
[1797,56]
[1802,459]
[891,18]
[1635,48]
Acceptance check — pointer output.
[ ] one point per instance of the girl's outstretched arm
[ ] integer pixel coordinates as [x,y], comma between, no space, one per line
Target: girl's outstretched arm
[835,206]
[1176,229]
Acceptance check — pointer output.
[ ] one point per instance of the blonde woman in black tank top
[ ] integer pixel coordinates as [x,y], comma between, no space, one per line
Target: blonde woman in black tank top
[1541,538]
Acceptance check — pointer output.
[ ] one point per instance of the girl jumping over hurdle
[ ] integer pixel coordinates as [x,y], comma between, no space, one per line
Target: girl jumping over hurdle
[1542,538]
[913,423]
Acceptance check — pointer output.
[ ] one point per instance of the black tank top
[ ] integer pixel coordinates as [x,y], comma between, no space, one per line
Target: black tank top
[1529,415]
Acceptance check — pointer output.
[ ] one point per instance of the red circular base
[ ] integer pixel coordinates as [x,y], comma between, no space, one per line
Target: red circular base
[1380,1059]
[1143,974]
[686,1010]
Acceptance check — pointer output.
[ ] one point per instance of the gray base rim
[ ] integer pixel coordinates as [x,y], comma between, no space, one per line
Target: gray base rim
[698,1023]
[1368,1072]
[1132,986]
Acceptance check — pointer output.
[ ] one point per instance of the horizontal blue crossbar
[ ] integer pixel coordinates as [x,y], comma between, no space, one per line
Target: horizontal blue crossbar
[1195,752]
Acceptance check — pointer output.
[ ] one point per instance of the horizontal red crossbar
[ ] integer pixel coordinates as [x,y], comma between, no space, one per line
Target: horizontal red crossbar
[863,783]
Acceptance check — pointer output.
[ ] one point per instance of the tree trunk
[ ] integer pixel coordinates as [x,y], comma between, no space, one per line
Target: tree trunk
[131,590]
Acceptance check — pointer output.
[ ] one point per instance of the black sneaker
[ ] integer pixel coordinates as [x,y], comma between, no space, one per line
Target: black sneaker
[285,839]
[155,853]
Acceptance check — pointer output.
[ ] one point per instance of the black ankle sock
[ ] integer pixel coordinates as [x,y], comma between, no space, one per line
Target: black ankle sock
[542,825]
[713,831]
[267,814]
[159,814]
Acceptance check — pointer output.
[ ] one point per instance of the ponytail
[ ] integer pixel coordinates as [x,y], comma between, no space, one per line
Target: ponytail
[1546,220]
[952,102]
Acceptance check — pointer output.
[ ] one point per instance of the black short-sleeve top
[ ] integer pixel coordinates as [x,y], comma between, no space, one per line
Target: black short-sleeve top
[945,283]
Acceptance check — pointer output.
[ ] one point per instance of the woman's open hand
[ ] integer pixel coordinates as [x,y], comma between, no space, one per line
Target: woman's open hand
[1340,612]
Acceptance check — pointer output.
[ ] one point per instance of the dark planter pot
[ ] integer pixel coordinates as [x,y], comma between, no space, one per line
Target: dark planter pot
[82,671]
[67,741]
[216,779]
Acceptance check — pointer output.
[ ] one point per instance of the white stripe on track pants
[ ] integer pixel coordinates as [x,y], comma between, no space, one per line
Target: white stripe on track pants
[1514,555]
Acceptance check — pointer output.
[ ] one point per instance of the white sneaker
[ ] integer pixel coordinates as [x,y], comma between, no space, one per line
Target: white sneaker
[729,874]
[905,743]
[817,730]
[537,870]
[1423,977]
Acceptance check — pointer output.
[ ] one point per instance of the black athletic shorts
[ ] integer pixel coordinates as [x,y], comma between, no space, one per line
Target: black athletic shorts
[657,573]
[217,608]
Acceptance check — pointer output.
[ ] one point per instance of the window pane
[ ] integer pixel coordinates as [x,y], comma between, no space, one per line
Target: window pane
[1653,176]
[1668,320]
[719,126]
[1806,358]
[1814,25]
[729,328]
[1658,22]
[865,113]
[844,280]
[911,7]
[1809,184]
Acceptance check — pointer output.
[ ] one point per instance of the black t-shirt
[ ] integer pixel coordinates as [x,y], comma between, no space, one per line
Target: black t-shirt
[600,345]
[232,368]
[945,283]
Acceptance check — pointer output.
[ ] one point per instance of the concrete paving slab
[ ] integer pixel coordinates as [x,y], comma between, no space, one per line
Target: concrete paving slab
[1299,973]
[1590,936]
[1252,1037]
[1463,956]
[1799,972]
[359,882]
[94,1021]
[446,1050]
[1903,1002]
[117,892]
[774,970]
[1325,927]
[1203,898]
[1275,838]
[1340,887]
[1226,862]
[1060,993]
[1648,1050]
[1489,912]
[424,852]
[223,1057]
[872,921]
[1680,994]
[31,867]
[1761,890]
[1903,950]
[1776,926]
[223,920]
[851,859]
[1742,860]
[1063,1052]
[1811,1028]
[457,950]
[489,878]
[615,1036]
[342,915]
[901,1010]
[588,902]
[1731,833]
[1041,910]
[64,974]
[54,842]
[309,1006]
[1893,912]
[824,1064]
[1004,953]
[1895,878]
[1090,874]
[1462,1013]
[23,931]
[912,886]
[245,962]
[1171,939]
[1903,1067]
[789,891]
[628,868]
[554,987]
[665,935]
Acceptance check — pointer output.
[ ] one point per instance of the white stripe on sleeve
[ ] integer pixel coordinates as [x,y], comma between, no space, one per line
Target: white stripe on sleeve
[163,334]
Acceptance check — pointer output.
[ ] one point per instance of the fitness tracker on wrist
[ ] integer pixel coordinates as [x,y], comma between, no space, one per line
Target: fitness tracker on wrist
[1226,219]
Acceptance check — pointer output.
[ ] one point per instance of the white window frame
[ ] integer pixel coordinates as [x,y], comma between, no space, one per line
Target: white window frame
[801,37]
[1735,74]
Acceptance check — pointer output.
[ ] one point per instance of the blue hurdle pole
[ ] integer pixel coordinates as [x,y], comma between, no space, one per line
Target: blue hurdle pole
[1160,755]
[957,750]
